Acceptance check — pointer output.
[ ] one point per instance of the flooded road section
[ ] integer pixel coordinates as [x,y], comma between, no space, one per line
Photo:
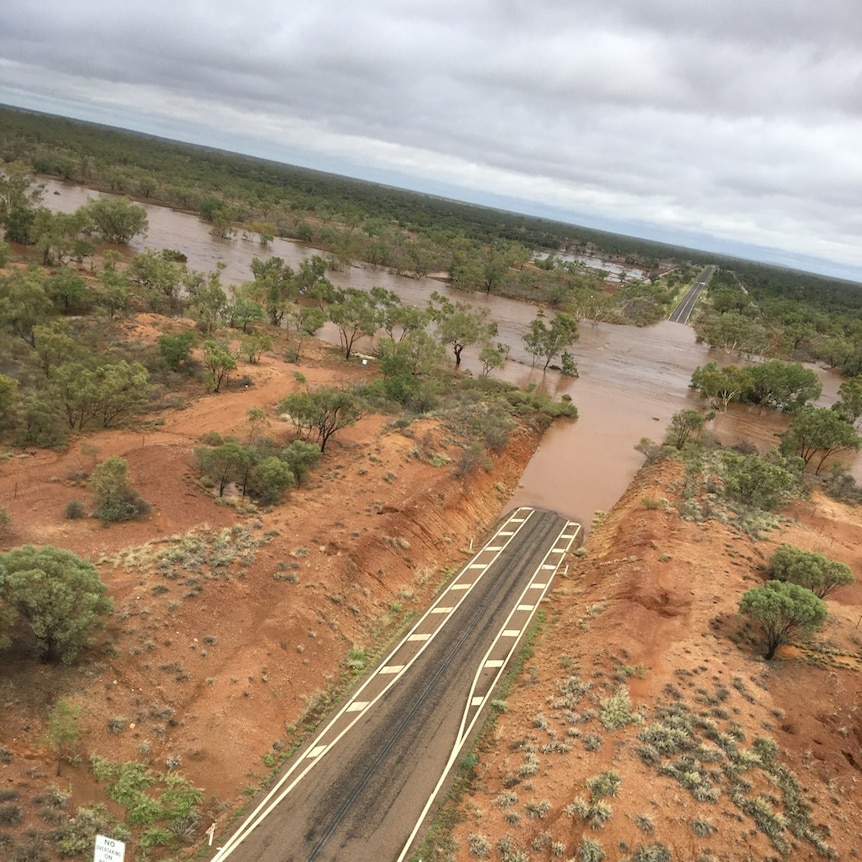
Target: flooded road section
[631,380]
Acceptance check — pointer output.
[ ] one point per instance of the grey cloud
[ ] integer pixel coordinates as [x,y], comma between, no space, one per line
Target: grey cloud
[737,118]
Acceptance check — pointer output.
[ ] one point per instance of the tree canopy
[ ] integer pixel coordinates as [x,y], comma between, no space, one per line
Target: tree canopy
[320,413]
[116,220]
[547,342]
[808,569]
[58,595]
[819,431]
[722,385]
[459,324]
[783,611]
[760,481]
[784,385]
[683,425]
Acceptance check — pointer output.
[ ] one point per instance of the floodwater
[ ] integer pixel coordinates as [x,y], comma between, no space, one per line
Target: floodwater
[632,380]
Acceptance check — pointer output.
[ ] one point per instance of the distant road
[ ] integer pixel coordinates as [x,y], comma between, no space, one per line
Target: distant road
[683,311]
[362,787]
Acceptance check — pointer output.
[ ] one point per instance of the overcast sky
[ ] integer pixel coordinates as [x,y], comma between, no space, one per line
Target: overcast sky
[728,124]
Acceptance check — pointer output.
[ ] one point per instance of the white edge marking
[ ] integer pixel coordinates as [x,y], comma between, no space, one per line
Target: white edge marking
[465,731]
[285,785]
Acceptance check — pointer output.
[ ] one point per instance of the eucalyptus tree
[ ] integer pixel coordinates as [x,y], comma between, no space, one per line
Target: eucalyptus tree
[547,342]
[116,220]
[819,431]
[458,324]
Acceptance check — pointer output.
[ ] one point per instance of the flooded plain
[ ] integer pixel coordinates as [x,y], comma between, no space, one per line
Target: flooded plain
[632,380]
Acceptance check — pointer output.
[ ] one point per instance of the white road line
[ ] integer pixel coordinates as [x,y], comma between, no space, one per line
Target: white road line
[466,728]
[288,781]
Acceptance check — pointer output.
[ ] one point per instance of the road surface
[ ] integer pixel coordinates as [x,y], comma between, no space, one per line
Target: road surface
[683,311]
[362,787]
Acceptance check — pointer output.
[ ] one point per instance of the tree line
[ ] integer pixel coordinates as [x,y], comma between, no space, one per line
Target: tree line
[788,315]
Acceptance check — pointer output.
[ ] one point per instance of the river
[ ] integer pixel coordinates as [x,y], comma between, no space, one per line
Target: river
[632,380]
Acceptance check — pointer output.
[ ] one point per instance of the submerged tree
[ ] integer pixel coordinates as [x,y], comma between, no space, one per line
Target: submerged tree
[116,220]
[548,342]
[459,324]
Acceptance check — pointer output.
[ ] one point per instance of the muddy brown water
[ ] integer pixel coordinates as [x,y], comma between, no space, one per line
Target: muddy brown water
[632,380]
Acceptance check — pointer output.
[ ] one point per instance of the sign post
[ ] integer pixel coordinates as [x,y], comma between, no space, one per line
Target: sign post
[109,849]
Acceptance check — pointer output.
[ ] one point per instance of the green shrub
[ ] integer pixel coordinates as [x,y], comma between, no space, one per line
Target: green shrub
[76,836]
[479,845]
[652,853]
[212,438]
[592,741]
[11,814]
[589,851]
[74,510]
[115,500]
[604,784]
[616,710]
[702,828]
[808,569]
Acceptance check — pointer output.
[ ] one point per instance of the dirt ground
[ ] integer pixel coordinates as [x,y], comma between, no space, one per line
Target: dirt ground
[231,624]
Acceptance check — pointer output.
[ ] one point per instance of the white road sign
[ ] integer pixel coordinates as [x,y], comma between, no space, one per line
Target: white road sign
[109,849]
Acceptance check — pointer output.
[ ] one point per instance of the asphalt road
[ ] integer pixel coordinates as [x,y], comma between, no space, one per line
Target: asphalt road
[371,780]
[683,311]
